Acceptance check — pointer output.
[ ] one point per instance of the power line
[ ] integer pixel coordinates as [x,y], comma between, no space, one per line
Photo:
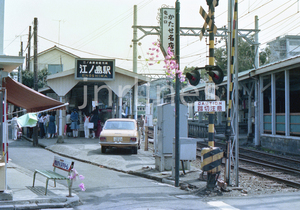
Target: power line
[72,48]
[255,9]
[111,24]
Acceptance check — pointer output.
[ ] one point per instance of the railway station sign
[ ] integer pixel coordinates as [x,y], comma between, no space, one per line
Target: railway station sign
[94,69]
[209,106]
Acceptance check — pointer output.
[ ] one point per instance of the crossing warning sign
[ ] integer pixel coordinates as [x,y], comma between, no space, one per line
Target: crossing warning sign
[208,21]
[209,106]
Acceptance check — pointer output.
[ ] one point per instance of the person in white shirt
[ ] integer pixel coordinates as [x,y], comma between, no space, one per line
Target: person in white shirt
[68,124]
[41,125]
[14,127]
[86,126]
[46,124]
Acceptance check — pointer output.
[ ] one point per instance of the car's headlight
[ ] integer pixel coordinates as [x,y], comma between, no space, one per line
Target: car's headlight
[102,138]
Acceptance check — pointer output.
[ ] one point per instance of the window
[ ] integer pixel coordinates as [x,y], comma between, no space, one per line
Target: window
[55,68]
[267,104]
[294,102]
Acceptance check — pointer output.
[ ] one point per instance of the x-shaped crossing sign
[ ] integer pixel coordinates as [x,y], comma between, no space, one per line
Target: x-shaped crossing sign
[208,21]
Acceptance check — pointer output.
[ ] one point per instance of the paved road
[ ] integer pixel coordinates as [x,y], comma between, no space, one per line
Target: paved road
[110,189]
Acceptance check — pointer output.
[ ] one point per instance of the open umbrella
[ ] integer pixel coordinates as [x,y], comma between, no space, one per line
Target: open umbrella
[28,120]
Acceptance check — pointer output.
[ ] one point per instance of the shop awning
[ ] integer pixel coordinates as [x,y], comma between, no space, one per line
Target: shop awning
[27,98]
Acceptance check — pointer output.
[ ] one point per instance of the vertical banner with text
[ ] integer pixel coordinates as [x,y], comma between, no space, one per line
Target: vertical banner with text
[167,30]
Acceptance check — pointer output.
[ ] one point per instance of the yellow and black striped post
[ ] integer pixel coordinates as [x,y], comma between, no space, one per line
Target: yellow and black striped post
[211,159]
[211,156]
[211,126]
[229,105]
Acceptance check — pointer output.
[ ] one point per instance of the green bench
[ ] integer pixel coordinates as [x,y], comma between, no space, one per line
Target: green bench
[61,163]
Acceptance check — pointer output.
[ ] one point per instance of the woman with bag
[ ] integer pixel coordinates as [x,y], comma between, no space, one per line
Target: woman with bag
[86,126]
[51,126]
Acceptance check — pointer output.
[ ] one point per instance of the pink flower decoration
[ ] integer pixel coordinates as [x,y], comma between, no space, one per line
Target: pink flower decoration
[82,187]
[171,66]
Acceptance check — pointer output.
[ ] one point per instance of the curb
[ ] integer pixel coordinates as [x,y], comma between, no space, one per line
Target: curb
[183,185]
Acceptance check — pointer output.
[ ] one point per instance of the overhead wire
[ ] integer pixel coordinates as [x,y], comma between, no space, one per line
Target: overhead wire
[183,57]
[82,50]
[276,15]
[255,9]
[15,38]
[101,28]
[261,17]
[113,25]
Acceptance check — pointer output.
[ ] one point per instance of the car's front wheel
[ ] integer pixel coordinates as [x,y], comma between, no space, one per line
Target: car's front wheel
[103,149]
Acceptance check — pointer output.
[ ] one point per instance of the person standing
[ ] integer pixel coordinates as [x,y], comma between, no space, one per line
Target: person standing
[86,126]
[14,127]
[51,126]
[74,125]
[68,124]
[94,119]
[142,126]
[41,125]
[46,123]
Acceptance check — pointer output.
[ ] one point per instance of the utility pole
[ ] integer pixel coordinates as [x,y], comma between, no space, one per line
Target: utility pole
[29,49]
[135,87]
[20,67]
[177,93]
[35,129]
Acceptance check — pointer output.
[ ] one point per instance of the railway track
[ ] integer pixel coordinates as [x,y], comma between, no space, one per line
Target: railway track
[278,168]
[273,167]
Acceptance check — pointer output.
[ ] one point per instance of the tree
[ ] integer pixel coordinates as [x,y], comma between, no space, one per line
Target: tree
[246,55]
[264,56]
[28,78]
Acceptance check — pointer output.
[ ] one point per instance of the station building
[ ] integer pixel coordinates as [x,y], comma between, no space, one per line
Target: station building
[87,83]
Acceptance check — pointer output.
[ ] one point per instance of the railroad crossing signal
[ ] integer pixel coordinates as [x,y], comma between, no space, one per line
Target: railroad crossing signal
[193,77]
[208,21]
[215,72]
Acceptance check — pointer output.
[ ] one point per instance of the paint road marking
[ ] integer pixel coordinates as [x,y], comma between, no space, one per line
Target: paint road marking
[221,205]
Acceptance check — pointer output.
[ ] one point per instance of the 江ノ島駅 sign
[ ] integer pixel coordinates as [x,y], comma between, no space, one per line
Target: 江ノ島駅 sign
[95,69]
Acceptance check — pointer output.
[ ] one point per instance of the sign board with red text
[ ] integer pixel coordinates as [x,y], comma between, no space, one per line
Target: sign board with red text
[209,106]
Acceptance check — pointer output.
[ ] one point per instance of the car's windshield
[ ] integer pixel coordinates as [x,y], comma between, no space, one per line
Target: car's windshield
[119,125]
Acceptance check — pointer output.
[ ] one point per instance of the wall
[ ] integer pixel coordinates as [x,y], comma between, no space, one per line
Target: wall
[281,144]
[55,57]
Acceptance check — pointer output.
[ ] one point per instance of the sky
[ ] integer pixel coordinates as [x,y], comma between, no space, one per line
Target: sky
[103,28]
